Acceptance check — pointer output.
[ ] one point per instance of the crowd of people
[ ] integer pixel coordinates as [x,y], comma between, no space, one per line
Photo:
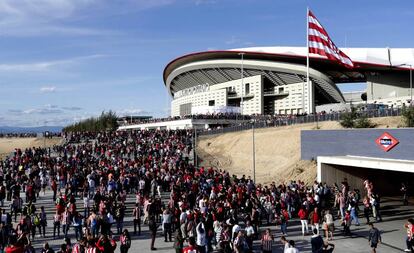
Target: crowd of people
[18,135]
[200,209]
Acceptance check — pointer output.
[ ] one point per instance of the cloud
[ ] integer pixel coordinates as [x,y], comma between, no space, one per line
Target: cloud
[44,17]
[28,18]
[46,65]
[72,108]
[42,111]
[46,109]
[48,89]
[237,41]
[15,111]
[200,2]
[148,4]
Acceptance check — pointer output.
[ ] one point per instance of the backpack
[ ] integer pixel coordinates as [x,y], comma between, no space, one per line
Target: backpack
[36,220]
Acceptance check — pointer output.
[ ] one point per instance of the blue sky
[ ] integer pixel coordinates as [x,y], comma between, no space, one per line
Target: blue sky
[65,60]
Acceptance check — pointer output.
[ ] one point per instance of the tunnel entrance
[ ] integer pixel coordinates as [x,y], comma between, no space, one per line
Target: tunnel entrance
[386,174]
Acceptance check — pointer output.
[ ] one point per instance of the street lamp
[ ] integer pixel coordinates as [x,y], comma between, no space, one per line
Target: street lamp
[242,84]
[253,152]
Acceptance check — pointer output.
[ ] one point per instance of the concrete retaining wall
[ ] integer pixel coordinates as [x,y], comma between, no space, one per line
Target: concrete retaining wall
[355,142]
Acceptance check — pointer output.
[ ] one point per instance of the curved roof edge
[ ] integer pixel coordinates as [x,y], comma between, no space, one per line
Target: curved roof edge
[364,58]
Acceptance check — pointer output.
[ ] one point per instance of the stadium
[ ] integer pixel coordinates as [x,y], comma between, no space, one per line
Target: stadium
[273,80]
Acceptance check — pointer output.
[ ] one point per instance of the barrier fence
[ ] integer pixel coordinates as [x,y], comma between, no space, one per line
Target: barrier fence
[277,122]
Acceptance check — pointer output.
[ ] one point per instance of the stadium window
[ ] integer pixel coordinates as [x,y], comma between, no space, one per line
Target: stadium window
[211,102]
[247,88]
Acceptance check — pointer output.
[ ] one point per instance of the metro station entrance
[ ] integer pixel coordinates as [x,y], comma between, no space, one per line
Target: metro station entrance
[386,174]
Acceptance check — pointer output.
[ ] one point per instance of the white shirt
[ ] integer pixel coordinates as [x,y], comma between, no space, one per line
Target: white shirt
[236,229]
[86,201]
[183,217]
[201,237]
[91,183]
[249,230]
[291,250]
[141,184]
[4,218]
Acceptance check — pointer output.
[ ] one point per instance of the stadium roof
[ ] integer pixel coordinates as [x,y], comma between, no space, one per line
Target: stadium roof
[365,59]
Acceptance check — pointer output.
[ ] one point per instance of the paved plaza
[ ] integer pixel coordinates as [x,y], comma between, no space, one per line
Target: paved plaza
[393,233]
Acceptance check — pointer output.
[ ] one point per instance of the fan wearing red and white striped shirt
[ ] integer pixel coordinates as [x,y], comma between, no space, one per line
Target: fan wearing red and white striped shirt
[91,247]
[267,242]
[320,43]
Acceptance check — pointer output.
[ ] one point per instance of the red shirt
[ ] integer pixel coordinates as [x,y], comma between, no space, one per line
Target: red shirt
[315,218]
[14,249]
[189,249]
[302,214]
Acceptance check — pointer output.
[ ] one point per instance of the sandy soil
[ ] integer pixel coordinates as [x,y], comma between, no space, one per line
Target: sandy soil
[277,151]
[7,145]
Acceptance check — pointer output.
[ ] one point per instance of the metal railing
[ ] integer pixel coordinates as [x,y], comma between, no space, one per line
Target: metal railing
[295,120]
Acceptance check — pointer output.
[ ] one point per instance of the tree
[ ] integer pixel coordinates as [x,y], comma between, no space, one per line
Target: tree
[107,121]
[408,116]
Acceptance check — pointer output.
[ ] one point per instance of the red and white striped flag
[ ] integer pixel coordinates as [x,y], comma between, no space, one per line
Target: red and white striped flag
[320,43]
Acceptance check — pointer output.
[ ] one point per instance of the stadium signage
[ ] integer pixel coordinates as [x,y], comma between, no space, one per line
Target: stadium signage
[386,141]
[193,90]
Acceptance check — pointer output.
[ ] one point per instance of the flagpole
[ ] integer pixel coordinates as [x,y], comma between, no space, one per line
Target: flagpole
[307,58]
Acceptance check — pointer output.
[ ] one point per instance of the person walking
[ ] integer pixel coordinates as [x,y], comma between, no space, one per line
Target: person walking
[65,221]
[367,208]
[179,242]
[329,225]
[291,247]
[284,218]
[43,221]
[316,242]
[303,216]
[409,226]
[125,240]
[354,212]
[56,224]
[166,224]
[191,248]
[404,192]
[267,241]
[152,225]
[136,213]
[347,223]
[315,219]
[374,237]
[201,237]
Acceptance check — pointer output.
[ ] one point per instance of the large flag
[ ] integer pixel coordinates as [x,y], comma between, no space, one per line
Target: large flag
[320,43]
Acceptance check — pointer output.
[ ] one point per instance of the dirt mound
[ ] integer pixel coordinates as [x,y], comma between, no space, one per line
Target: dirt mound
[7,145]
[277,151]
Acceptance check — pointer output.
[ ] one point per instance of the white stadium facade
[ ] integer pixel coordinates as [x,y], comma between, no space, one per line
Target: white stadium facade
[274,80]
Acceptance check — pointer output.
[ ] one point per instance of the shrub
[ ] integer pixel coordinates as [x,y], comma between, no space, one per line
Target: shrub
[347,120]
[363,122]
[408,116]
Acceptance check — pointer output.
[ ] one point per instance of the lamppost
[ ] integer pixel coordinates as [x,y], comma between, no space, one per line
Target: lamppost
[253,152]
[242,84]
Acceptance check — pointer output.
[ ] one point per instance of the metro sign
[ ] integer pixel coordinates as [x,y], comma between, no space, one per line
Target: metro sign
[386,141]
